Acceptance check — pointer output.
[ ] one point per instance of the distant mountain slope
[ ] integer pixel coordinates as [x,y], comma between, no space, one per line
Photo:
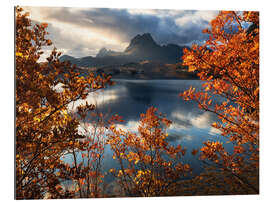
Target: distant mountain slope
[141,48]
[143,70]
[142,59]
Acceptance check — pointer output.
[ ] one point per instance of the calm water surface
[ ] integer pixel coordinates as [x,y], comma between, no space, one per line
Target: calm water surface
[129,98]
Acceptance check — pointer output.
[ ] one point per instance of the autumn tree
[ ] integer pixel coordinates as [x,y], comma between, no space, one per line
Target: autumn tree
[228,63]
[85,171]
[45,129]
[149,166]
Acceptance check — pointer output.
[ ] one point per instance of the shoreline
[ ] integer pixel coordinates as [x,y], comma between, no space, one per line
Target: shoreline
[161,78]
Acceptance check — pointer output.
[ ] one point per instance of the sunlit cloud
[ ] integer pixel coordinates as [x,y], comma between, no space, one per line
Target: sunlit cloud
[179,121]
[195,17]
[214,131]
[131,126]
[84,31]
[202,121]
[185,121]
[98,98]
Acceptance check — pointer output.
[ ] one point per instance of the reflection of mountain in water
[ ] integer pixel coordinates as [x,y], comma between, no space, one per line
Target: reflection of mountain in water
[140,92]
[129,98]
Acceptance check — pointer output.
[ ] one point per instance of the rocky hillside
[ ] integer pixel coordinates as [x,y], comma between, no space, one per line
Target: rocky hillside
[141,48]
[142,59]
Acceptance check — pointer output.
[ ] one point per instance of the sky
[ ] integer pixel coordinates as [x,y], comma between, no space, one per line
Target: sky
[83,32]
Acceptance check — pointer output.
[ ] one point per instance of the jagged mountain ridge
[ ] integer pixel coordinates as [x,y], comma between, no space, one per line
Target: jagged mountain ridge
[141,48]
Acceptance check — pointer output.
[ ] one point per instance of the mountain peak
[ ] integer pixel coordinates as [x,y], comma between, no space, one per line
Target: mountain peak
[144,37]
[102,52]
[140,41]
[142,47]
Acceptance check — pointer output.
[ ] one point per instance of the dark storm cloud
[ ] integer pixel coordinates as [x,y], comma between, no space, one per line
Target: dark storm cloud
[124,25]
[84,31]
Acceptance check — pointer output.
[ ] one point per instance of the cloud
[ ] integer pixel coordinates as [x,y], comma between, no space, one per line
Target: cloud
[178,137]
[83,31]
[131,126]
[180,121]
[202,121]
[185,121]
[99,98]
[214,131]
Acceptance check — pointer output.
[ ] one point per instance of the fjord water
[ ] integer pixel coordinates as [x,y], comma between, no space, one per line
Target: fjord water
[129,98]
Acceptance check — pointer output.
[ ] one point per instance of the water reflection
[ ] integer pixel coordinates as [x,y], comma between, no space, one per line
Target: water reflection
[178,137]
[129,98]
